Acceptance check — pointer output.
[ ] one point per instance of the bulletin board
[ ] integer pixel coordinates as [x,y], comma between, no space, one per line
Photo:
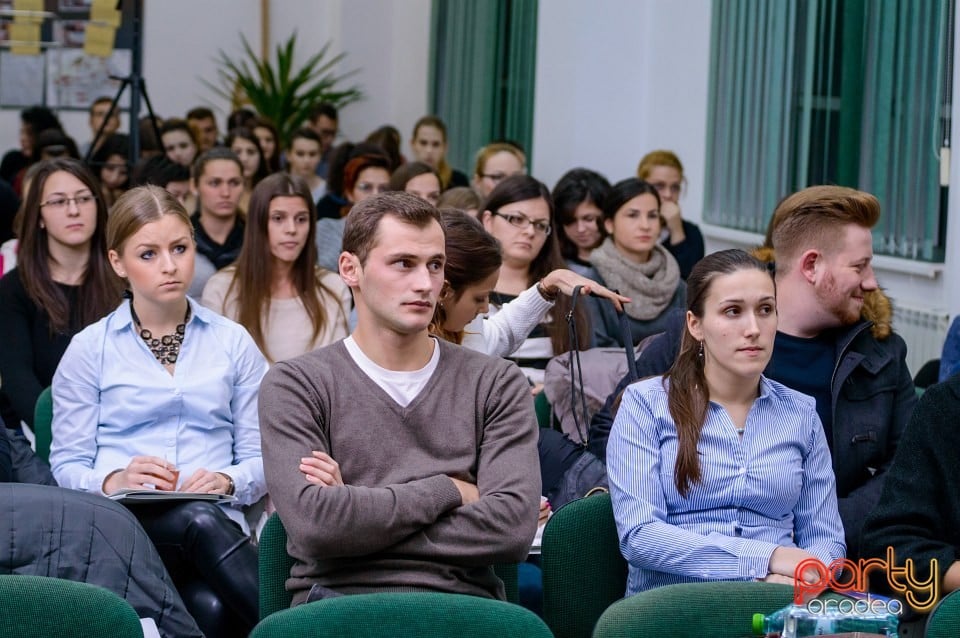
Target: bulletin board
[62,76]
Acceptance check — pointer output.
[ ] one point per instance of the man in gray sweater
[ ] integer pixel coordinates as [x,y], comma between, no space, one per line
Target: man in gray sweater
[398,461]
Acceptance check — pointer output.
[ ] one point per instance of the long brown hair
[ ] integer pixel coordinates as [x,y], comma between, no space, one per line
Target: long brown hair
[688,395]
[254,268]
[100,288]
[518,188]
[473,254]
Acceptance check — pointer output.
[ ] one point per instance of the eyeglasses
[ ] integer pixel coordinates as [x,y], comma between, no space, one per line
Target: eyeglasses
[522,221]
[663,187]
[496,178]
[367,187]
[61,203]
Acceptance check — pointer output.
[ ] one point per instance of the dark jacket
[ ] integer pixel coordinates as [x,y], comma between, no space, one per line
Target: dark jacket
[50,531]
[873,398]
[918,514]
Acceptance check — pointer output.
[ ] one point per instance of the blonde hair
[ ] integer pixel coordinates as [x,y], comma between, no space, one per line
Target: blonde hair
[658,158]
[490,150]
[138,207]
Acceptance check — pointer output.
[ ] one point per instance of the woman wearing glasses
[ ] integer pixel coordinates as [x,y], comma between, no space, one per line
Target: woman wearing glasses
[363,177]
[663,170]
[518,214]
[61,284]
[632,261]
[495,163]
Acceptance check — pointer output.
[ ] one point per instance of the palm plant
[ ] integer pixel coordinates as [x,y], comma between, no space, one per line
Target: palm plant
[279,92]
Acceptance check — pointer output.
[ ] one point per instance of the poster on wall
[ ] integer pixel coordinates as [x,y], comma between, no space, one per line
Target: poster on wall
[62,76]
[75,80]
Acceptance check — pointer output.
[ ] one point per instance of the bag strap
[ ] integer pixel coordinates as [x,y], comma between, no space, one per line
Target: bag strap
[576,369]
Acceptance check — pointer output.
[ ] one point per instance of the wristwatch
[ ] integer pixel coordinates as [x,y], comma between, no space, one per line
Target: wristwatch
[231,488]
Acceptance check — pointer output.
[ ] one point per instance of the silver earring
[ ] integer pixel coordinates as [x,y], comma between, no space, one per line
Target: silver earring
[700,354]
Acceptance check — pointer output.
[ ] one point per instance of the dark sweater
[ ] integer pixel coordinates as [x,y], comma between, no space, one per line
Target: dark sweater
[398,523]
[30,353]
[919,509]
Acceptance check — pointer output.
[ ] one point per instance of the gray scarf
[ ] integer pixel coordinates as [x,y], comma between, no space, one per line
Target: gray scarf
[650,286]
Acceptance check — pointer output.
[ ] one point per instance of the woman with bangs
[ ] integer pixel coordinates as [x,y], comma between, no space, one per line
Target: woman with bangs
[276,290]
[578,201]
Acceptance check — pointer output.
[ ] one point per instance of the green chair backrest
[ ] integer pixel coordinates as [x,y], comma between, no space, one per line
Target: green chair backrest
[275,566]
[40,607]
[42,423]
[583,570]
[944,620]
[404,615]
[719,609]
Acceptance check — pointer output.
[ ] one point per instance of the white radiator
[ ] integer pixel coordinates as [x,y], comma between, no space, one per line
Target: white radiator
[924,330]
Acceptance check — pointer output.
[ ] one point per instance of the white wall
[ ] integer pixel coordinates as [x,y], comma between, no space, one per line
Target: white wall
[628,78]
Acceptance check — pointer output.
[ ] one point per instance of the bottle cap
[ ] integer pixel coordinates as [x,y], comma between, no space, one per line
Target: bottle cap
[758,624]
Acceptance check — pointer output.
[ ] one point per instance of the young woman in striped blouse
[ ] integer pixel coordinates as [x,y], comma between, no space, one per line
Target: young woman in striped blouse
[716,472]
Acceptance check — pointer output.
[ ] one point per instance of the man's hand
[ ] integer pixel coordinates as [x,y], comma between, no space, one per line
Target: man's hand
[321,469]
[468,491]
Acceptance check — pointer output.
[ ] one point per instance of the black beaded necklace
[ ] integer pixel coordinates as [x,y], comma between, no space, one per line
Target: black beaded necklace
[167,348]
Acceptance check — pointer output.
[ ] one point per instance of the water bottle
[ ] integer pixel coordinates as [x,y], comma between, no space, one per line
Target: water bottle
[798,621]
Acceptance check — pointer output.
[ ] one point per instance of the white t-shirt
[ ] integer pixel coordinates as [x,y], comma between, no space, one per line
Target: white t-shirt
[402,386]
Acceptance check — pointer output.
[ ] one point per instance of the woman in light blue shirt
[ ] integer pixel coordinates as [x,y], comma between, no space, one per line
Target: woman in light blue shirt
[716,472]
[137,410]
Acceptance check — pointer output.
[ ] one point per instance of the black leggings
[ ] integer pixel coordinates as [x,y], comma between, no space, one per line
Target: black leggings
[200,545]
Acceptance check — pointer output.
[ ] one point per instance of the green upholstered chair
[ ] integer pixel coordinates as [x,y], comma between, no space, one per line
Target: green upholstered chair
[275,566]
[944,620]
[583,570]
[722,609]
[40,607]
[403,615]
[42,422]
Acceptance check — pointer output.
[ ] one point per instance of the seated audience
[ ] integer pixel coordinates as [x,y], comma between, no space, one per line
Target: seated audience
[160,171]
[324,122]
[632,261]
[247,149]
[33,121]
[950,356]
[217,224]
[268,137]
[683,239]
[430,478]
[917,514]
[109,163]
[387,138]
[716,472]
[303,155]
[204,126]
[578,200]
[834,342]
[462,198]
[98,117]
[496,162]
[417,179]
[364,176]
[62,282]
[518,214]
[287,304]
[178,142]
[429,145]
[162,394]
